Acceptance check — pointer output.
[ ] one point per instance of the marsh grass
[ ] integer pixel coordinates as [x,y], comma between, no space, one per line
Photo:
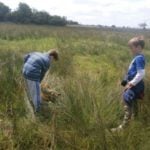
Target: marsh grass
[92,63]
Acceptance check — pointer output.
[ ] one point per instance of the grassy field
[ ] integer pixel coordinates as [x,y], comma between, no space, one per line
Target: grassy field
[92,64]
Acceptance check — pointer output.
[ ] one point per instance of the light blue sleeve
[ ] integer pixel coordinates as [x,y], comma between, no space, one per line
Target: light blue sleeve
[45,67]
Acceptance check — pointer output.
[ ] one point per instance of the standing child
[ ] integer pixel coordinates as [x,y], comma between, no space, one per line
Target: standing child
[36,65]
[133,82]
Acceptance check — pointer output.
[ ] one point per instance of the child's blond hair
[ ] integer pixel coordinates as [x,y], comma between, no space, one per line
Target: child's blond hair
[137,41]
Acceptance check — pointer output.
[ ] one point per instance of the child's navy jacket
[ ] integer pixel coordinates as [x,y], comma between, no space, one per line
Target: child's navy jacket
[138,63]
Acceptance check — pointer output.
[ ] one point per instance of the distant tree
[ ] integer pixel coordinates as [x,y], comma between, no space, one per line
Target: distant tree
[58,21]
[23,14]
[113,26]
[40,17]
[143,25]
[14,17]
[70,22]
[4,12]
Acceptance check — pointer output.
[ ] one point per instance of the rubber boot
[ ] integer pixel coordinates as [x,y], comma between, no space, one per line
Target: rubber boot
[126,119]
[127,116]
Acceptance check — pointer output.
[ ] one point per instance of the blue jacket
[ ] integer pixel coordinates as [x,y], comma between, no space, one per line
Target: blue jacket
[35,66]
[137,63]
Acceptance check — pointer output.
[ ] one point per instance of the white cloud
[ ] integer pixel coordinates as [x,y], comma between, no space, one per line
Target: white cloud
[107,12]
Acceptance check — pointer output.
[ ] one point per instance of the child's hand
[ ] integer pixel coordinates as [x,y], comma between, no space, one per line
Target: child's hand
[128,86]
[124,83]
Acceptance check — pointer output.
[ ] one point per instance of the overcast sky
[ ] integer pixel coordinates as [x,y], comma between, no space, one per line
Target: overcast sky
[104,12]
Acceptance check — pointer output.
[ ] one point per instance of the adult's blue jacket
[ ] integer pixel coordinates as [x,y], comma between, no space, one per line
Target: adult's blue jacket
[36,65]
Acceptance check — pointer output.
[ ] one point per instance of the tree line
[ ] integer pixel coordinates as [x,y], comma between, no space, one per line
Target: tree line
[26,15]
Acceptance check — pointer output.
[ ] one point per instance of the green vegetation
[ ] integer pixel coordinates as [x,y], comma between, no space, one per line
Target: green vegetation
[26,15]
[91,66]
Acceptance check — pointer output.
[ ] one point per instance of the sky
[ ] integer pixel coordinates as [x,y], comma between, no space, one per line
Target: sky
[96,12]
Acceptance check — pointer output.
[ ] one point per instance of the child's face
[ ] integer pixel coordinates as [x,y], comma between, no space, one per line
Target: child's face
[135,49]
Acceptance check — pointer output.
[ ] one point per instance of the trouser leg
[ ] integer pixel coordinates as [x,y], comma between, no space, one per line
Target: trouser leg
[127,115]
[130,111]
[33,90]
[129,98]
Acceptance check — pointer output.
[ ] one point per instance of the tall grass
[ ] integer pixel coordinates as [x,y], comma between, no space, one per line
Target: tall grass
[92,63]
